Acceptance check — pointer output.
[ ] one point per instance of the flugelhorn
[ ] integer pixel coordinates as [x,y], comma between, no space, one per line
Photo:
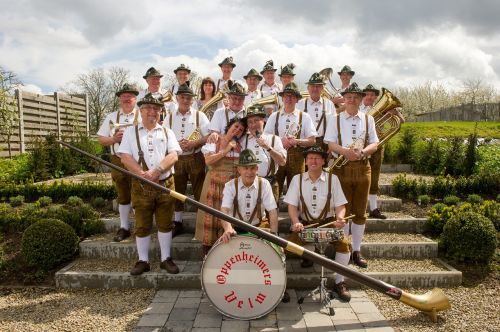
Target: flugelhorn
[293,130]
[195,135]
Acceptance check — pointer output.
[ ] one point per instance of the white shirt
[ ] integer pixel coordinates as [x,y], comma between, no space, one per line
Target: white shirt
[154,145]
[185,125]
[110,120]
[315,110]
[219,121]
[286,119]
[351,128]
[220,84]
[251,96]
[144,92]
[363,108]
[269,90]
[247,198]
[315,194]
[250,142]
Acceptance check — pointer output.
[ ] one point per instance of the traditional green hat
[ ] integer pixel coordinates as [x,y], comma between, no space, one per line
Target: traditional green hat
[185,89]
[130,88]
[255,110]
[353,88]
[268,66]
[150,100]
[291,88]
[182,67]
[370,87]
[316,79]
[236,88]
[228,61]
[254,73]
[152,72]
[315,149]
[247,158]
[287,70]
[346,69]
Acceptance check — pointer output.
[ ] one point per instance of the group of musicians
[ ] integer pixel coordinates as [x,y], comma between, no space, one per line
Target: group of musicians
[241,158]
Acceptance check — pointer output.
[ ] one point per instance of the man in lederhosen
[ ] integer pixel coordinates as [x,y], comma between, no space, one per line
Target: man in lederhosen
[110,134]
[235,108]
[313,197]
[296,130]
[267,147]
[150,151]
[184,122]
[269,86]
[252,79]
[319,108]
[352,134]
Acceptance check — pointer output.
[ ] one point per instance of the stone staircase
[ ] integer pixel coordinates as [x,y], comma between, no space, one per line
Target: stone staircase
[409,263]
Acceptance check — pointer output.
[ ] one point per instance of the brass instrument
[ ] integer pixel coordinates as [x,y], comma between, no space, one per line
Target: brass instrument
[195,135]
[167,97]
[114,127]
[293,130]
[386,123]
[221,94]
[272,99]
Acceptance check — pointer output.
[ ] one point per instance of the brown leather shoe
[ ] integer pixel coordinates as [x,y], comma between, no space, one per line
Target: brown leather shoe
[358,259]
[306,263]
[342,291]
[376,214]
[286,297]
[169,265]
[139,268]
[121,235]
[178,229]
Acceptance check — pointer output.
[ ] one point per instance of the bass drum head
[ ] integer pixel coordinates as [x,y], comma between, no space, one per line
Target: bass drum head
[245,278]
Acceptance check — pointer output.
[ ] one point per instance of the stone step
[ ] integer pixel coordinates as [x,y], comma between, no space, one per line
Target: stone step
[85,273]
[185,248]
[395,223]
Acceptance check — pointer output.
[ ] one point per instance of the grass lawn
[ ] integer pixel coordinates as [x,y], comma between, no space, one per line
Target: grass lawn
[457,128]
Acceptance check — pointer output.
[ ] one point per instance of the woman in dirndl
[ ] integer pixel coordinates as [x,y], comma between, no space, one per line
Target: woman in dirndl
[221,158]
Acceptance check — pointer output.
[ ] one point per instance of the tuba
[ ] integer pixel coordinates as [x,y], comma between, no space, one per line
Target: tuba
[387,124]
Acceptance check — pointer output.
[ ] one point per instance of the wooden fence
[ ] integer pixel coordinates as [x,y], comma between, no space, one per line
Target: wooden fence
[469,112]
[40,115]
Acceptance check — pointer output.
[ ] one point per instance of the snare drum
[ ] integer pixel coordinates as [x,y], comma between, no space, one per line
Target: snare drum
[319,235]
[244,278]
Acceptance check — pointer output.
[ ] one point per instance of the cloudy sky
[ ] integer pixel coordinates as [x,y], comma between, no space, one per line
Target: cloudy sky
[388,43]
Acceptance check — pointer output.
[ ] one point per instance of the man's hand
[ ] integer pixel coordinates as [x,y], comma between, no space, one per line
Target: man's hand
[351,154]
[186,145]
[297,227]
[213,138]
[339,223]
[262,143]
[226,236]
[117,137]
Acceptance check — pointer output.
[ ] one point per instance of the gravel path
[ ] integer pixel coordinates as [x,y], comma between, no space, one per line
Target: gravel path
[394,237]
[386,178]
[40,309]
[473,308]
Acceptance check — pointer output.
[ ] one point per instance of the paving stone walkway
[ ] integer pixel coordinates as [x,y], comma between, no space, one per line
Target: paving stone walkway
[190,310]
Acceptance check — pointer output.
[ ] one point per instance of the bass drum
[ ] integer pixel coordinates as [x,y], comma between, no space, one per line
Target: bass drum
[244,278]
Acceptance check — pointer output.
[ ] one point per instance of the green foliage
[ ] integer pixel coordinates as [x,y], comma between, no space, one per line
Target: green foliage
[405,187]
[76,217]
[390,151]
[92,226]
[453,162]
[491,210]
[16,169]
[59,191]
[9,218]
[442,186]
[16,200]
[74,201]
[99,202]
[469,236]
[471,154]
[438,217]
[406,145]
[423,199]
[3,258]
[429,157]
[451,200]
[488,159]
[44,201]
[474,199]
[30,214]
[435,129]
[47,243]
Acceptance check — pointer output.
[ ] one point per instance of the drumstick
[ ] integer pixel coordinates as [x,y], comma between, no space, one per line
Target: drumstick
[333,222]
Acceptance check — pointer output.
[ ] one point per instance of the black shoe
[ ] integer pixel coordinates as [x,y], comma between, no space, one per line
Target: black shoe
[306,263]
[358,259]
[286,297]
[178,229]
[342,291]
[169,265]
[376,214]
[139,268]
[121,235]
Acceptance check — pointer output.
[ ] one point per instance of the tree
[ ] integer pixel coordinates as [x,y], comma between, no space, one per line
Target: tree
[100,87]
[424,98]
[8,111]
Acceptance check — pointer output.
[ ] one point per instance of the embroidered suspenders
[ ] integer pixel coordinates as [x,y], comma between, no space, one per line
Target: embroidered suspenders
[323,115]
[271,168]
[339,136]
[141,160]
[257,210]
[326,208]
[276,125]
[136,115]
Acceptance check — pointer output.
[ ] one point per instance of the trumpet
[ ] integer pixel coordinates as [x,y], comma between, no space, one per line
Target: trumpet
[357,144]
[114,127]
[293,130]
[167,97]
[195,135]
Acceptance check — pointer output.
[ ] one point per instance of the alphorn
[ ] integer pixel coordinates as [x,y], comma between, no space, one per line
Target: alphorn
[429,303]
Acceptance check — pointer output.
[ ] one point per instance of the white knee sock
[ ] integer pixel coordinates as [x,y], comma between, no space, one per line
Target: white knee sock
[357,236]
[178,216]
[124,212]
[346,228]
[373,202]
[165,240]
[143,247]
[341,258]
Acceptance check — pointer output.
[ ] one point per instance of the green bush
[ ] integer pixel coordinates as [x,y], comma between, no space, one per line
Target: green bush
[405,187]
[16,200]
[76,216]
[99,202]
[390,153]
[474,199]
[47,243]
[15,169]
[30,214]
[423,199]
[442,186]
[406,146]
[469,236]
[3,258]
[92,226]
[44,201]
[438,217]
[453,161]
[74,201]
[498,198]
[491,210]
[471,153]
[9,218]
[429,157]
[488,159]
[451,200]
